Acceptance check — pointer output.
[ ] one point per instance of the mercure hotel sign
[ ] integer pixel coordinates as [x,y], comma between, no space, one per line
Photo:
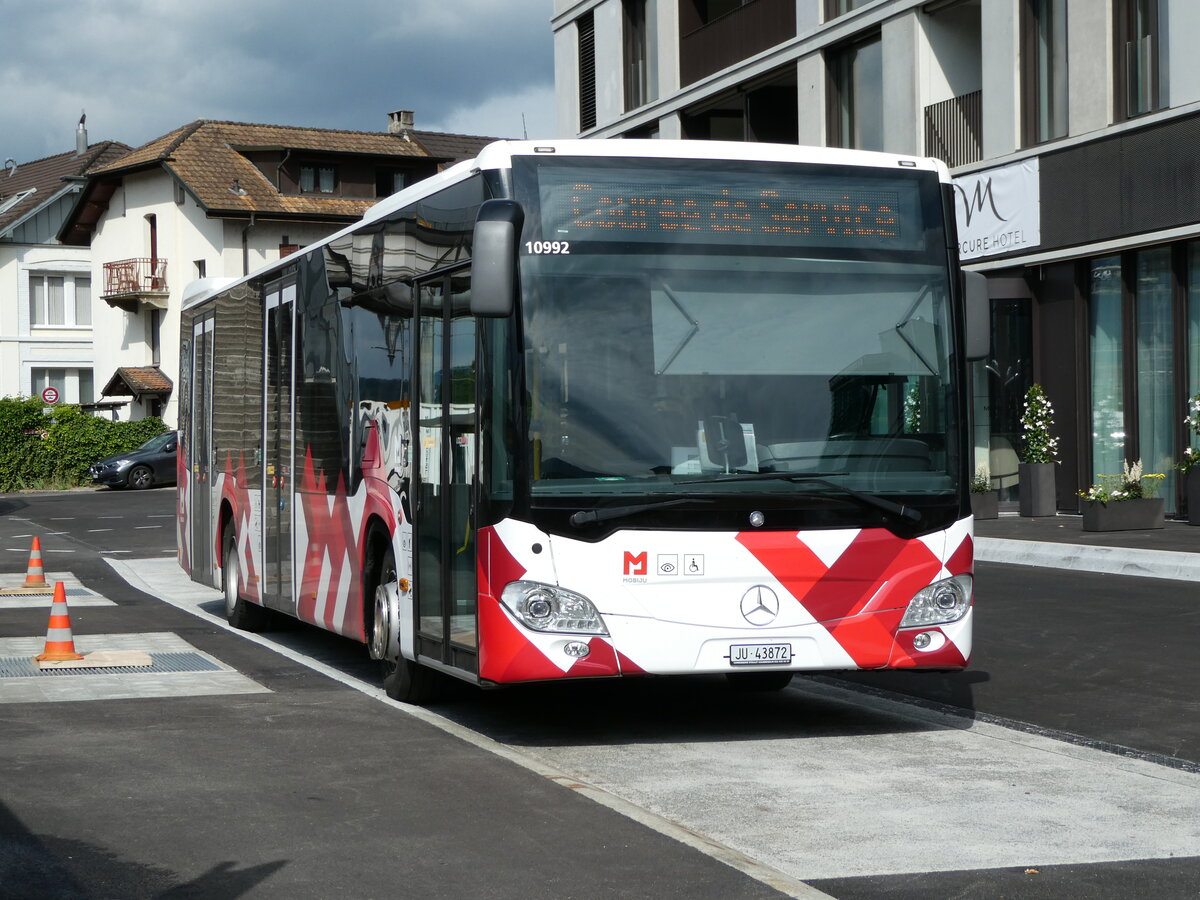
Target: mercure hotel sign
[999,210]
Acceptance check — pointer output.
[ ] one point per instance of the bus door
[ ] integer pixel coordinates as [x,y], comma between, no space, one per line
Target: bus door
[200,465]
[445,474]
[278,435]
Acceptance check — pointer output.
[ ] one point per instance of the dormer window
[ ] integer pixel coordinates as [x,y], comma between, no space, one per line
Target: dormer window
[318,179]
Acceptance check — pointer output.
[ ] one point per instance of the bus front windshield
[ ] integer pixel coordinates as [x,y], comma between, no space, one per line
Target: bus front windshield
[711,327]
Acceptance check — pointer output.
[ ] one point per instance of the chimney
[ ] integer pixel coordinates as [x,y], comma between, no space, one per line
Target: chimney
[400,122]
[81,143]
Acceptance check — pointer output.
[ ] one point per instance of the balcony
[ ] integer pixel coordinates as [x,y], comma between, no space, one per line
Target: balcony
[131,283]
[755,26]
[954,129]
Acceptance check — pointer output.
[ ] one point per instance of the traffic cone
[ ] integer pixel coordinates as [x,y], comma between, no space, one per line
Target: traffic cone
[60,645]
[35,575]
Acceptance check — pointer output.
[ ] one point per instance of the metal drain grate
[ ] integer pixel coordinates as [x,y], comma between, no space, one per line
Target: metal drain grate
[160,663]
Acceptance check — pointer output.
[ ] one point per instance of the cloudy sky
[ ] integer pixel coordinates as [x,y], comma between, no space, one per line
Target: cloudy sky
[141,68]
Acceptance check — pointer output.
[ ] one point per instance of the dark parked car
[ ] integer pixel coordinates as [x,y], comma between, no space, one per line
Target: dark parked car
[151,463]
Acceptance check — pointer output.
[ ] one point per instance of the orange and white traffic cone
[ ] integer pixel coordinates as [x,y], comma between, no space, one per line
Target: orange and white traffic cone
[35,575]
[60,644]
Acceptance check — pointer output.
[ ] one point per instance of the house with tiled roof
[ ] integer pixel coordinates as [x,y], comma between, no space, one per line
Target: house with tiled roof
[221,199]
[45,286]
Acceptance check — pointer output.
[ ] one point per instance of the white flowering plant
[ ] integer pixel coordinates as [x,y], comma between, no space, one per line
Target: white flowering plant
[982,482]
[1037,421]
[1191,455]
[1131,484]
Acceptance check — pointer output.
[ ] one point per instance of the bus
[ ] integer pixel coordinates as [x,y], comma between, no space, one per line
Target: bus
[601,408]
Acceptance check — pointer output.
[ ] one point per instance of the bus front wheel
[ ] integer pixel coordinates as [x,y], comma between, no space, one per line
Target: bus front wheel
[403,679]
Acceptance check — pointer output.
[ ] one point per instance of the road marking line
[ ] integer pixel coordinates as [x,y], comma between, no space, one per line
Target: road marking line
[94,530]
[143,527]
[189,602]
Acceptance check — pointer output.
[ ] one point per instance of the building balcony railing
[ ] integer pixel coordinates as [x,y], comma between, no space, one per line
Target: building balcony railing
[735,36]
[954,129]
[129,283]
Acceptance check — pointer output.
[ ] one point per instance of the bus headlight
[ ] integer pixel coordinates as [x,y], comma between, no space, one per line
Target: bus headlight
[544,607]
[940,602]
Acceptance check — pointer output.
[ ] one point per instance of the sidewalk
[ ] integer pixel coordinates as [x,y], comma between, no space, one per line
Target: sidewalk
[1171,552]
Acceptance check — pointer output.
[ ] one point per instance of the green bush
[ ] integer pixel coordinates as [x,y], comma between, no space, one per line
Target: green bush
[41,450]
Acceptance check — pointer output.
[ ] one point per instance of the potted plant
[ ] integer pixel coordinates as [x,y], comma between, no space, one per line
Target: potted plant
[1036,492]
[985,502]
[1189,465]
[1124,502]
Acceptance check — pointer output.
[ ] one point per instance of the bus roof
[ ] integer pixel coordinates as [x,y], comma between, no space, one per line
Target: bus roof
[499,155]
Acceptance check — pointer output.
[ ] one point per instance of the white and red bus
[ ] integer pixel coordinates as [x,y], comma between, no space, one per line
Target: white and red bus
[583,409]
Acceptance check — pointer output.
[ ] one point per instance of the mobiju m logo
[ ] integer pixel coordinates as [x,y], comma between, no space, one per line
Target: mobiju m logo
[635,564]
[975,204]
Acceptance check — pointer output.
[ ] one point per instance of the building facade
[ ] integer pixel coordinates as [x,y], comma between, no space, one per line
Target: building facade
[219,199]
[1069,126]
[46,286]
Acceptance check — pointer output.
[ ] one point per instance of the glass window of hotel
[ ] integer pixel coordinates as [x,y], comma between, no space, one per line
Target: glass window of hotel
[1107,346]
[1044,70]
[1193,323]
[641,41]
[835,8]
[1157,410]
[856,95]
[585,25]
[1136,46]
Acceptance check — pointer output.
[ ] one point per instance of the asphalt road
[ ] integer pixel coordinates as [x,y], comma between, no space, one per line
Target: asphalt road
[315,789]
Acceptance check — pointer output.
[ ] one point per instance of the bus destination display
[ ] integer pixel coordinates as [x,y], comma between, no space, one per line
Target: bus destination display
[828,211]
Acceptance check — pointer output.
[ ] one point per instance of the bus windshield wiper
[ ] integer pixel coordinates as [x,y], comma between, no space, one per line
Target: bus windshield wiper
[888,506]
[586,516]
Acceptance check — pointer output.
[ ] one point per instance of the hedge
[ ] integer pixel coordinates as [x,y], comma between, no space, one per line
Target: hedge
[38,449]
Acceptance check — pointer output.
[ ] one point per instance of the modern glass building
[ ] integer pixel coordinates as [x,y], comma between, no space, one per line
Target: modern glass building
[1071,128]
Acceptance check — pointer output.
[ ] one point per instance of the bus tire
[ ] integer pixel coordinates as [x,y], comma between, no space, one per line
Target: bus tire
[403,679]
[758,682]
[240,612]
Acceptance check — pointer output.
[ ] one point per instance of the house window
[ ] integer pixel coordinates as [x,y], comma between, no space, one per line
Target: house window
[856,95]
[389,181]
[200,268]
[318,179]
[73,385]
[1136,45]
[586,27]
[641,41]
[1044,70]
[63,301]
[83,301]
[40,379]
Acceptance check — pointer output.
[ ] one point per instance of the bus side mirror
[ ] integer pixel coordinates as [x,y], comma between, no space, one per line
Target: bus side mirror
[977,315]
[494,258]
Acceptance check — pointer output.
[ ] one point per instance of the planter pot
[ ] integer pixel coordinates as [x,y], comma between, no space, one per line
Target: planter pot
[1036,493]
[985,506]
[1122,515]
[1193,495]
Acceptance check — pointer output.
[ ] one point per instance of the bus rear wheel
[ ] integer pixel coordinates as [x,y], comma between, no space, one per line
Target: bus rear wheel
[241,613]
[403,679]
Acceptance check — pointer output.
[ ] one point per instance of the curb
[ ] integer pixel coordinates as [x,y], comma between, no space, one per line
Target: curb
[1168,564]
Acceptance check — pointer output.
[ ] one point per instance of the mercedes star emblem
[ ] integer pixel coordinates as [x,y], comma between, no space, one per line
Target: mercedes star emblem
[760,605]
